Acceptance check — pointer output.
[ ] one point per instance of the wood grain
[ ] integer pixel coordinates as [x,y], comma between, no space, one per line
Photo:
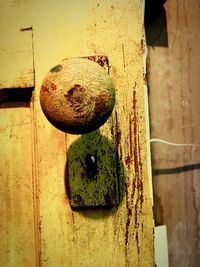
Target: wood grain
[16,51]
[175,111]
[100,237]
[17,229]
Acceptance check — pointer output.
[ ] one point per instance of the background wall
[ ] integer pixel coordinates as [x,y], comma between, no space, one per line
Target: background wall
[174,93]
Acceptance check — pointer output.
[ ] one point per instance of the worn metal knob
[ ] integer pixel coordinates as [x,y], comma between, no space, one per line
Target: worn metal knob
[77,96]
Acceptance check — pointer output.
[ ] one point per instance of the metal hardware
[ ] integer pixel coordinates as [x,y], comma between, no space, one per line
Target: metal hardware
[92,167]
[78,95]
[92,179]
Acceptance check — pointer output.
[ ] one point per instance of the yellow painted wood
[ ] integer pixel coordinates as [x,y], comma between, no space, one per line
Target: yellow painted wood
[100,237]
[16,65]
[17,235]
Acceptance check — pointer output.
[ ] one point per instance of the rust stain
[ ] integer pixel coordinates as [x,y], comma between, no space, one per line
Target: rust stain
[145,78]
[128,161]
[137,162]
[53,87]
[75,94]
[44,89]
[137,186]
[101,60]
[48,88]
[124,62]
[101,103]
[142,46]
[128,223]
[117,134]
[137,241]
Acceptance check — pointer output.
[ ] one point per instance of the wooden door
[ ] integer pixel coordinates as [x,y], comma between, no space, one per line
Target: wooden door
[119,236]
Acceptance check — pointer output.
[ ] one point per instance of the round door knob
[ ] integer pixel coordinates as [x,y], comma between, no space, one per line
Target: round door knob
[77,96]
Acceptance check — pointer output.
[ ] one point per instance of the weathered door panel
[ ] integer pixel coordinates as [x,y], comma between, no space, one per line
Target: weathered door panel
[16,64]
[121,236]
[17,224]
[17,186]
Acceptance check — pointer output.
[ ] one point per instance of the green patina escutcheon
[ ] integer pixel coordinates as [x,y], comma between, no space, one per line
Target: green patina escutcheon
[92,172]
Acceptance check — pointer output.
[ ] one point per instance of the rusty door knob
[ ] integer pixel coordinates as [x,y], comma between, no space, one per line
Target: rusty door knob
[77,96]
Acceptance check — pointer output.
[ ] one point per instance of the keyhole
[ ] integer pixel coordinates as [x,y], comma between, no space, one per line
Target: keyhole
[91,165]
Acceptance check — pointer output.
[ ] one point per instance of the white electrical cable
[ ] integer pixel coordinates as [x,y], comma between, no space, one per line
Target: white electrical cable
[158,140]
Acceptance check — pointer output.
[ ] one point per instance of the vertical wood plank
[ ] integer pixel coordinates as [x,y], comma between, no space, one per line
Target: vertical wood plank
[17,246]
[174,106]
[116,237]
[16,65]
